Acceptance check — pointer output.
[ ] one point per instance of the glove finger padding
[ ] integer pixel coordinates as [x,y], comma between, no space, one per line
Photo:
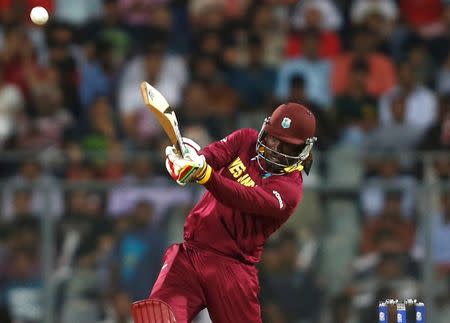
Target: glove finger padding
[171,151]
[191,149]
[191,144]
[171,169]
[189,169]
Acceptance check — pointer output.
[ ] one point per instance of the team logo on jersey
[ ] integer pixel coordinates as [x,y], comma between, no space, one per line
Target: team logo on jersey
[286,123]
[238,170]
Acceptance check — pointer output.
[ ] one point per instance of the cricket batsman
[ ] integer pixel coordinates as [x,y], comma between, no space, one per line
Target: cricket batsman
[254,183]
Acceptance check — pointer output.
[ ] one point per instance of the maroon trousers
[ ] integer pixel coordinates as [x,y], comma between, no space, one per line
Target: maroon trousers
[192,279]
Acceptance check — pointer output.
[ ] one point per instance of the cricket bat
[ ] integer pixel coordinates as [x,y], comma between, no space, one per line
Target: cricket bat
[158,104]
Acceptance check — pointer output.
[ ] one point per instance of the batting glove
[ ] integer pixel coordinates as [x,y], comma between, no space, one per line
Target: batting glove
[191,167]
[190,146]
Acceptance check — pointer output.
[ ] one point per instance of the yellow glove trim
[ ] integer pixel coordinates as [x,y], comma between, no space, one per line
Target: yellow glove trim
[206,176]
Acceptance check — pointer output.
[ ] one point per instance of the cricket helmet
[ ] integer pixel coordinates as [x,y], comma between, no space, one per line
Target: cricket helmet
[291,123]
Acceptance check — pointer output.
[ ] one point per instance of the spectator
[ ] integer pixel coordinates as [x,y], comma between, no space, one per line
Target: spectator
[196,107]
[113,169]
[437,138]
[440,229]
[199,134]
[22,291]
[142,184]
[78,168]
[406,136]
[85,220]
[390,220]
[22,204]
[14,12]
[390,272]
[424,16]
[77,12]
[381,69]
[63,56]
[4,315]
[315,70]
[119,312]
[138,251]
[329,44]
[25,235]
[108,28]
[417,97]
[210,43]
[223,100]
[98,73]
[11,105]
[288,284]
[46,195]
[164,71]
[387,173]
[355,110]
[443,307]
[51,118]
[313,9]
[324,130]
[440,46]
[102,130]
[270,26]
[83,294]
[139,13]
[17,56]
[255,82]
[270,265]
[443,76]
[341,310]
[207,14]
[360,9]
[418,55]
[380,17]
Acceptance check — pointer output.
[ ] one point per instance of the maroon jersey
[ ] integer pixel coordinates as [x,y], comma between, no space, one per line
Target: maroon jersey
[242,206]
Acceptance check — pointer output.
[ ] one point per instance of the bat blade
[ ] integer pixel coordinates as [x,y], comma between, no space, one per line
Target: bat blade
[158,104]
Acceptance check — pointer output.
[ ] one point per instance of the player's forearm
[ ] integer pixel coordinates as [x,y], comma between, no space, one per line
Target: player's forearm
[252,200]
[216,155]
[209,156]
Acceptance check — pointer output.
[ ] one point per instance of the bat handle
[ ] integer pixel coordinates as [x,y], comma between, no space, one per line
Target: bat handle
[180,148]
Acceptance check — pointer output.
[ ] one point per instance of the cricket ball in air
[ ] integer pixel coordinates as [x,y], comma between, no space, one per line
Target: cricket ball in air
[39,15]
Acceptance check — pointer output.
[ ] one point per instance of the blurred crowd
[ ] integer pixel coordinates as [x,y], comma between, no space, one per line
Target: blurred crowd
[81,155]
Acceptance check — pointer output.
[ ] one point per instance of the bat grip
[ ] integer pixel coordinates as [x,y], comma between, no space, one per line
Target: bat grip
[180,148]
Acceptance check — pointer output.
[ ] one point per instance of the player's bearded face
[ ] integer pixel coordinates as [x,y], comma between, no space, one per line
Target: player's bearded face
[279,153]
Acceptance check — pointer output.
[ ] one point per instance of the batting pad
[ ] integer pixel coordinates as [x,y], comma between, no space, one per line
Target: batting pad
[152,311]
